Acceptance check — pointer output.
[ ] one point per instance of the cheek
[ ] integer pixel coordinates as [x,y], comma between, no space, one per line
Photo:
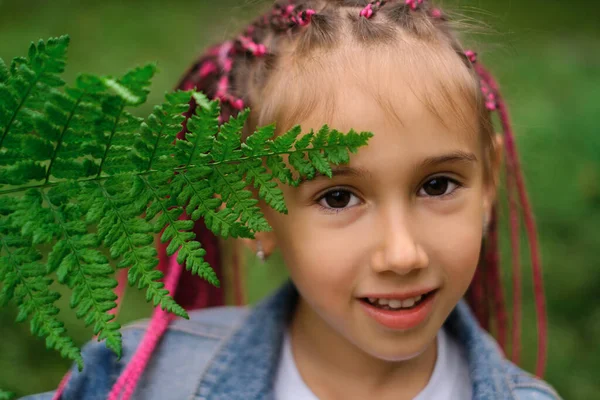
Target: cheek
[458,252]
[316,258]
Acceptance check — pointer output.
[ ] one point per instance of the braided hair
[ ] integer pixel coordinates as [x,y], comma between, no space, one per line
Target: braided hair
[243,71]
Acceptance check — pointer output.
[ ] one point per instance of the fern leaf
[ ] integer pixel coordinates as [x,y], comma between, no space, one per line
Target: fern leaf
[76,159]
[30,79]
[114,131]
[24,282]
[197,195]
[153,146]
[268,190]
[227,144]
[74,257]
[176,231]
[3,71]
[200,138]
[129,237]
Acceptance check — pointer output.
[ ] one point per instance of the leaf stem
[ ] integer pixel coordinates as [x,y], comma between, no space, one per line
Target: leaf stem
[14,116]
[176,169]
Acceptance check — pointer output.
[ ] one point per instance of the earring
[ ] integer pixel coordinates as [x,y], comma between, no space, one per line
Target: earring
[260,252]
[485,224]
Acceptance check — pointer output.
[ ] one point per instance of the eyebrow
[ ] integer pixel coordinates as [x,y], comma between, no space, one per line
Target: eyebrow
[458,156]
[455,156]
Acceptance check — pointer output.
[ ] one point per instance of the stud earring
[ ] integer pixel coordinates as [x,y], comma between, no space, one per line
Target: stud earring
[485,223]
[260,252]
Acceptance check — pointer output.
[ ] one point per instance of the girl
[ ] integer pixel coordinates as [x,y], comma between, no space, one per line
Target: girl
[381,255]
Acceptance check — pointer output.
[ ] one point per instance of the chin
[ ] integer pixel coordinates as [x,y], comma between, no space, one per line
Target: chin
[398,356]
[396,349]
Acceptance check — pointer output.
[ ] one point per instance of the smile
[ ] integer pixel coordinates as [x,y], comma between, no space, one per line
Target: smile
[397,314]
[395,304]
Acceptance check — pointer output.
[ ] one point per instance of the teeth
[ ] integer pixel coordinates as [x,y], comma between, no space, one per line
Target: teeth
[393,303]
[408,303]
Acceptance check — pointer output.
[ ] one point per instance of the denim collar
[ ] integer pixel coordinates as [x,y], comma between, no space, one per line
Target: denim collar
[245,365]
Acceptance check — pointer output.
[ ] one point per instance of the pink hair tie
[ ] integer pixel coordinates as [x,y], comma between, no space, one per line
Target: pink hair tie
[255,48]
[304,17]
[414,4]
[436,13]
[471,55]
[367,12]
[288,10]
[490,97]
[207,69]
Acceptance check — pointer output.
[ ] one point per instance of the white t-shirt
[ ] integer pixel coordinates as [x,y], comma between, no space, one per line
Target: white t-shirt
[450,379]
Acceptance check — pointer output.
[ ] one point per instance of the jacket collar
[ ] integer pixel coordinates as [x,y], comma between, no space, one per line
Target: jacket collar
[245,365]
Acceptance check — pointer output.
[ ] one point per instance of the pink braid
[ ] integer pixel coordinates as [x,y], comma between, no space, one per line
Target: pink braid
[207,69]
[160,321]
[477,296]
[516,263]
[254,48]
[530,226]
[120,292]
[494,281]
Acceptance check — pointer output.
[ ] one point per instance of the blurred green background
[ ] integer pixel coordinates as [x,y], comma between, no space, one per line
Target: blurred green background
[546,54]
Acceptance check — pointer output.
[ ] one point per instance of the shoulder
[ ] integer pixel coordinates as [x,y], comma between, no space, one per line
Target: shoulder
[185,350]
[526,386]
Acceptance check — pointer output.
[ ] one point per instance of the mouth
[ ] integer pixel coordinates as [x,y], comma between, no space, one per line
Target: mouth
[400,314]
[397,304]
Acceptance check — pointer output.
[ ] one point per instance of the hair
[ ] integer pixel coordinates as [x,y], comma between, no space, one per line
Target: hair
[279,49]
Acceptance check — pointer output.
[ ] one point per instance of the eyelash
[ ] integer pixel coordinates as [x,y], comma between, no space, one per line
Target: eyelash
[332,210]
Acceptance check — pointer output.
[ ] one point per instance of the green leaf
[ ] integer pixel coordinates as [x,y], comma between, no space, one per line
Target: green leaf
[3,71]
[82,177]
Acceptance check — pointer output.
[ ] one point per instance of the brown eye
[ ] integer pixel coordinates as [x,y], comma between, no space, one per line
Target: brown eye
[338,199]
[438,187]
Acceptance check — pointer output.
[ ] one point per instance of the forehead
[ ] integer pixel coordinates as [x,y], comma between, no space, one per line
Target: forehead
[388,84]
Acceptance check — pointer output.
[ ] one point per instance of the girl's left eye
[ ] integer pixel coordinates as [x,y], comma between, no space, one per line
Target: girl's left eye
[338,199]
[439,187]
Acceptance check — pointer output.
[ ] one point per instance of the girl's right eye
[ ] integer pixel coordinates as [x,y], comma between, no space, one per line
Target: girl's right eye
[338,199]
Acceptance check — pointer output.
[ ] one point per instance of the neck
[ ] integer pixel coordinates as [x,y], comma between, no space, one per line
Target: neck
[320,351]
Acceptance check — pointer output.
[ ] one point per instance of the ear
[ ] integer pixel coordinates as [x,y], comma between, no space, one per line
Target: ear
[267,241]
[491,189]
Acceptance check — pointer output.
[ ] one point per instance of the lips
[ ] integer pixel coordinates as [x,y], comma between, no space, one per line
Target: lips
[400,318]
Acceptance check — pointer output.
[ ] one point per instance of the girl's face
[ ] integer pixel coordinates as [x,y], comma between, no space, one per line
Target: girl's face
[402,219]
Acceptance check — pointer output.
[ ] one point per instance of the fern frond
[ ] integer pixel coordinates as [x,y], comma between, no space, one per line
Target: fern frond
[175,231]
[116,212]
[74,257]
[114,130]
[154,145]
[26,84]
[84,173]
[23,92]
[200,138]
[25,282]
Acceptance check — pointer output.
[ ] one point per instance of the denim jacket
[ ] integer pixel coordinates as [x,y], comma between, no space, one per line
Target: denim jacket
[231,353]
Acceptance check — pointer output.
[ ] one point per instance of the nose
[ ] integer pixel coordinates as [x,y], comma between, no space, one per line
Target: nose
[399,250]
